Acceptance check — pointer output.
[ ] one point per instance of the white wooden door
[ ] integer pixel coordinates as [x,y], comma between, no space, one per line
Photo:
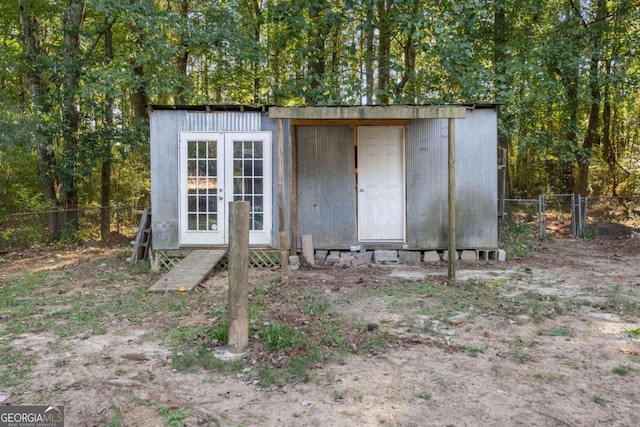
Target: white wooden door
[381,183]
[215,169]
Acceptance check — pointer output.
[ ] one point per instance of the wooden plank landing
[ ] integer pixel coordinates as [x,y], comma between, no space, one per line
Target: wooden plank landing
[190,272]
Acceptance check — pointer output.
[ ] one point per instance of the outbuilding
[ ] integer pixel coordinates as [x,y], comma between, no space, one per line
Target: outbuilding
[370,177]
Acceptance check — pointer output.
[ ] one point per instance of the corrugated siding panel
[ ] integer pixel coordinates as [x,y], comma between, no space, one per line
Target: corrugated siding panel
[426,146]
[326,185]
[221,121]
[164,178]
[476,182]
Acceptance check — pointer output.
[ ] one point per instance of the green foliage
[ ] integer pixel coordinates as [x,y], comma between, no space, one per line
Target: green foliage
[278,337]
[173,417]
[558,331]
[517,238]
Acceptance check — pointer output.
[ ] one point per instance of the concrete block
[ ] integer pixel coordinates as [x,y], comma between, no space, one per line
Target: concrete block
[431,256]
[409,256]
[294,259]
[385,255]
[333,257]
[345,254]
[364,255]
[502,255]
[482,255]
[321,255]
[468,255]
[356,262]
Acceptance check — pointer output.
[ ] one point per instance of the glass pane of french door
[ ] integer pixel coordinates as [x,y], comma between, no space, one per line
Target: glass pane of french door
[202,185]
[248,179]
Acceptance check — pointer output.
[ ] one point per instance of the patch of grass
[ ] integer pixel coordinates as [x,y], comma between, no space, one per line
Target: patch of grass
[315,303]
[424,395]
[472,350]
[443,383]
[618,302]
[15,367]
[518,352]
[116,420]
[337,395]
[558,331]
[278,337]
[202,357]
[622,370]
[173,417]
[632,332]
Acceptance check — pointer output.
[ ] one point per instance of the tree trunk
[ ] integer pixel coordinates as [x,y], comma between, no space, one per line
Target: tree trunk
[384,52]
[182,58]
[368,51]
[71,112]
[36,80]
[316,56]
[591,139]
[105,175]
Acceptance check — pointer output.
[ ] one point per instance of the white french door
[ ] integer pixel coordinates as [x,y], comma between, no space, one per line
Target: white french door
[381,183]
[215,169]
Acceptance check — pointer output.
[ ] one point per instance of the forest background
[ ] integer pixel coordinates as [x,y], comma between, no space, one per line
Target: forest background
[76,77]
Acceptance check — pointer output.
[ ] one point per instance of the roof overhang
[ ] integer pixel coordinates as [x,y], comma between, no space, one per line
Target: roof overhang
[370,112]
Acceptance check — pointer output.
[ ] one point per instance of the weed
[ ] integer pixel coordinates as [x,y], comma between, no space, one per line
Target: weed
[558,331]
[443,383]
[632,332]
[337,395]
[173,417]
[424,395]
[472,350]
[518,353]
[517,238]
[600,400]
[279,337]
[315,303]
[116,421]
[202,357]
[573,364]
[545,376]
[622,370]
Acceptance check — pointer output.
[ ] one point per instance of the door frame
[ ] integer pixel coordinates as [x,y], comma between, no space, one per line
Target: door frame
[403,190]
[225,153]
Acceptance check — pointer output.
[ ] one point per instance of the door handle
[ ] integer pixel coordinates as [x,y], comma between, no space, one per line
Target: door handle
[362,190]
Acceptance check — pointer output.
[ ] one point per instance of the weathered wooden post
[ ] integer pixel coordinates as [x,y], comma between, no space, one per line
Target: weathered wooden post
[238,276]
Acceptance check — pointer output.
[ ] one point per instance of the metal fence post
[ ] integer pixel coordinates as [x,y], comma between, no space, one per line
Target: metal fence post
[574,223]
[541,227]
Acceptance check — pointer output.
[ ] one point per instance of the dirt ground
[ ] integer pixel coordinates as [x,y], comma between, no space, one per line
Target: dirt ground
[472,369]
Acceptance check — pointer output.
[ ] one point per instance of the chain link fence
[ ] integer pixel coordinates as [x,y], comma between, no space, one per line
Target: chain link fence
[568,215]
[40,228]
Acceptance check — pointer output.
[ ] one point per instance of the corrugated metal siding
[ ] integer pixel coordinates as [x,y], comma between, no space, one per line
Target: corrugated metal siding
[164,178]
[326,185]
[476,182]
[164,128]
[227,121]
[426,147]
